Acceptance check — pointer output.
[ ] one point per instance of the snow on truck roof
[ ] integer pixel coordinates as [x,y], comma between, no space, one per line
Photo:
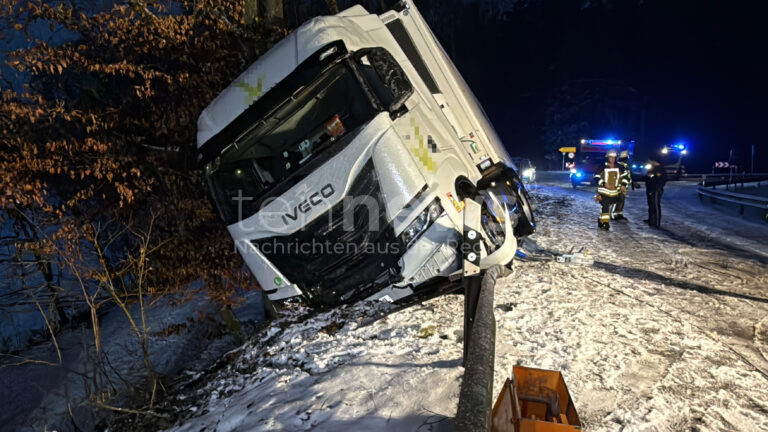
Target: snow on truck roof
[352,26]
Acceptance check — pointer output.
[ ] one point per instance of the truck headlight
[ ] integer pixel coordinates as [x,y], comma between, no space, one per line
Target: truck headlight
[421,223]
[528,172]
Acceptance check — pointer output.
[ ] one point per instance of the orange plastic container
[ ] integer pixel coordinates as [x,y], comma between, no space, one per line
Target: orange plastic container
[535,400]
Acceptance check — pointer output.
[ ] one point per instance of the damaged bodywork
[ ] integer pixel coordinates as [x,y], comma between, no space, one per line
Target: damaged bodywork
[341,158]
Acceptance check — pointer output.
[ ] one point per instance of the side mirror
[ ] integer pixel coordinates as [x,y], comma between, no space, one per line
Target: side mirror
[390,83]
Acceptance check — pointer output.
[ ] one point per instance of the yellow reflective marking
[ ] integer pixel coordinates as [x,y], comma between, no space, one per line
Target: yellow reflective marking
[252,92]
[420,150]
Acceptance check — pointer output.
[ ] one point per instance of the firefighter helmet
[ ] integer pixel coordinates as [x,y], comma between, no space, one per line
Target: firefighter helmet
[624,155]
[611,153]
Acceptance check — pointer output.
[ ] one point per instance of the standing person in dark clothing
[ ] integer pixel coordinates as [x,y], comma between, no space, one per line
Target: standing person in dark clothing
[611,181]
[655,180]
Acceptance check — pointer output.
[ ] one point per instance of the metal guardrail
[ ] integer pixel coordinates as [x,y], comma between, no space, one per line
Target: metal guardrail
[729,179]
[742,200]
[476,394]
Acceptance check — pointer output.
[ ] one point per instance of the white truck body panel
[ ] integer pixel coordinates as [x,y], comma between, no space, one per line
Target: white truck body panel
[417,156]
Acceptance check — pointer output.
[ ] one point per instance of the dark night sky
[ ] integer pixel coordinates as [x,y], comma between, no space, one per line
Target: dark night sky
[657,71]
[549,72]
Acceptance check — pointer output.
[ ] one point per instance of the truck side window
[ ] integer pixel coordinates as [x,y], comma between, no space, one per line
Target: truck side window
[385,77]
[398,31]
[374,81]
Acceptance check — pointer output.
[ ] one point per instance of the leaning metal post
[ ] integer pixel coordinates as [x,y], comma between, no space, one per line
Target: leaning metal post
[475,398]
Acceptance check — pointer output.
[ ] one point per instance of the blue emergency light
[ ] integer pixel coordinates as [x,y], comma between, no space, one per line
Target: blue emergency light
[602,142]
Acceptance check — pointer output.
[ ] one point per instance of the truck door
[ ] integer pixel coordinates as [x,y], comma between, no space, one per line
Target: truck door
[420,51]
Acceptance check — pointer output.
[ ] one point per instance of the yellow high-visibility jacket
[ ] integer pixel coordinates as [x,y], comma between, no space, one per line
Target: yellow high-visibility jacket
[610,180]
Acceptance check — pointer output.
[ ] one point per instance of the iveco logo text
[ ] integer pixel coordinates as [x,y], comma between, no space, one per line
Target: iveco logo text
[306,205]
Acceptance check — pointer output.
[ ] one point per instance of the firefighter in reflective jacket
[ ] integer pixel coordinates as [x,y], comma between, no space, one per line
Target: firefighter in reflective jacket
[611,181]
[618,211]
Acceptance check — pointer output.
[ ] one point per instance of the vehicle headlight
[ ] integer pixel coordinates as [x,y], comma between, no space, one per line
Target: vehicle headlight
[421,223]
[528,172]
[573,170]
[648,166]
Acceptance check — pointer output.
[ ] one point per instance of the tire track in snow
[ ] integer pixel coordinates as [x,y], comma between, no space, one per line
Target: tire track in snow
[710,335]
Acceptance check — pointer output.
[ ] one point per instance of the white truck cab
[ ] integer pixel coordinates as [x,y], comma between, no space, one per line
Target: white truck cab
[340,160]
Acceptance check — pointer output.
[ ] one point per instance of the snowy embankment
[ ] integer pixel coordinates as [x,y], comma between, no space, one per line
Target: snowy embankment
[668,330]
[51,394]
[354,368]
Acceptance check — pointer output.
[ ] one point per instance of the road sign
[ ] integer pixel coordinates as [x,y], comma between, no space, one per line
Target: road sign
[722,164]
[571,155]
[567,149]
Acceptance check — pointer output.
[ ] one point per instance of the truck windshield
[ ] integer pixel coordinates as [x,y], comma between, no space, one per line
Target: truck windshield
[281,145]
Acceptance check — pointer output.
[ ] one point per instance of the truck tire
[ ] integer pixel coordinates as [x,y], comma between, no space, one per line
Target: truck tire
[526,221]
[506,181]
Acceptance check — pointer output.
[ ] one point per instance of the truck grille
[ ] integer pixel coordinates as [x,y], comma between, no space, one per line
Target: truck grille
[333,263]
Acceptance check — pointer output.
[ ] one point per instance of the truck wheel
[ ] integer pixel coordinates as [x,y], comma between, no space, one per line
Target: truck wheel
[493,228]
[503,180]
[526,222]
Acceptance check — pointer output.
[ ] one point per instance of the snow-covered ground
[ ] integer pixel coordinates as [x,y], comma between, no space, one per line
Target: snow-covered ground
[668,330]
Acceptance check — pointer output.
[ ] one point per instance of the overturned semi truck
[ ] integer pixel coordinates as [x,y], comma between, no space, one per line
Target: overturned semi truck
[341,158]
